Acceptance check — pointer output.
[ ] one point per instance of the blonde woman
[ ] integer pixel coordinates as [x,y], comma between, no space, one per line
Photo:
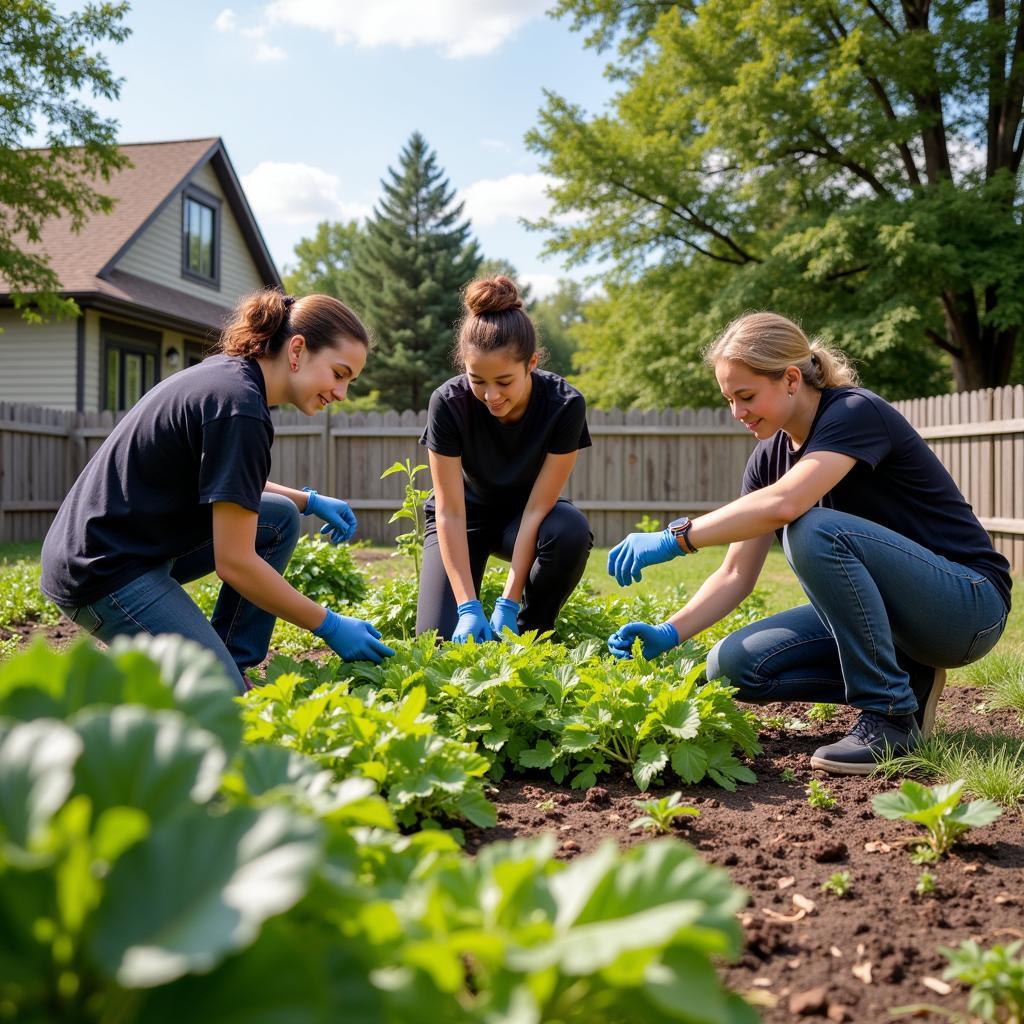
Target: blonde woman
[901,579]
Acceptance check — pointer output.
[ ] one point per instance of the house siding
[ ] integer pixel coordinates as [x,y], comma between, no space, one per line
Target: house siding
[37,361]
[156,254]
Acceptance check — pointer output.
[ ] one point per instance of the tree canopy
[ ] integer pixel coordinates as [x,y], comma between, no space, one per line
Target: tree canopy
[408,270]
[48,62]
[851,163]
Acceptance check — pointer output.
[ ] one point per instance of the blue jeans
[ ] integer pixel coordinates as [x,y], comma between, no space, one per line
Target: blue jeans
[155,602]
[884,612]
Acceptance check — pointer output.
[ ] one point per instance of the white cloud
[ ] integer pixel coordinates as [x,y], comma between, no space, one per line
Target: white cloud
[460,28]
[541,285]
[225,21]
[265,52]
[516,195]
[495,144]
[296,193]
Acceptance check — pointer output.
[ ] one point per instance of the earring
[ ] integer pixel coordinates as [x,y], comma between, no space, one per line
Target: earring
[295,369]
[790,394]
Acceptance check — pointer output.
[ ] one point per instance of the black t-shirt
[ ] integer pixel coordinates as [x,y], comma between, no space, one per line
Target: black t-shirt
[200,436]
[897,481]
[501,461]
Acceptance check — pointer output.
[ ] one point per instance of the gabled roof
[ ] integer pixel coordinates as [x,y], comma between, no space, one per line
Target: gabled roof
[84,261]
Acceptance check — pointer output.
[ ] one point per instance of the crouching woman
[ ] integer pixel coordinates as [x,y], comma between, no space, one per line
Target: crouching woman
[180,489]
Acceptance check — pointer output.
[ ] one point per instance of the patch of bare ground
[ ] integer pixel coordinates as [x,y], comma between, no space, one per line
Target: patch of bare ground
[846,959]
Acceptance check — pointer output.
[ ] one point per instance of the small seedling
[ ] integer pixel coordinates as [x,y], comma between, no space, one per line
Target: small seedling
[648,525]
[923,854]
[659,814]
[821,713]
[788,775]
[547,805]
[773,722]
[995,977]
[839,884]
[925,884]
[818,796]
[796,724]
[937,809]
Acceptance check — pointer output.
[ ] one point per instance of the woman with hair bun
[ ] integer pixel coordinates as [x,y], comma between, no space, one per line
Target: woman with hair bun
[180,488]
[901,579]
[502,439]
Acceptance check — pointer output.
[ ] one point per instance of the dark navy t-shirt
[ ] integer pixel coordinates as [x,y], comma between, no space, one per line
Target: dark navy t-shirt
[897,481]
[501,461]
[200,436]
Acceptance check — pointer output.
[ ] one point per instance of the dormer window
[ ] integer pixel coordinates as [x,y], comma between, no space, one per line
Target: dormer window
[200,248]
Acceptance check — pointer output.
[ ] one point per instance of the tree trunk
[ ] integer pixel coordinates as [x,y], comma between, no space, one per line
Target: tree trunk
[986,354]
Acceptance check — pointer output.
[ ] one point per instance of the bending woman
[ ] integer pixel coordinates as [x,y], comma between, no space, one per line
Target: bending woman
[502,441]
[179,489]
[899,574]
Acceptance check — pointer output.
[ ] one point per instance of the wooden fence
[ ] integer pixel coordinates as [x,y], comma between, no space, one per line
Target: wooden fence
[661,464]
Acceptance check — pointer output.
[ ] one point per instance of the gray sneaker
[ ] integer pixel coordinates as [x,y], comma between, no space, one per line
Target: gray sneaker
[873,737]
[927,686]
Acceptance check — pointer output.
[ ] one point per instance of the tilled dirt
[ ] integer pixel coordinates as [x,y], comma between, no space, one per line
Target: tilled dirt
[849,959]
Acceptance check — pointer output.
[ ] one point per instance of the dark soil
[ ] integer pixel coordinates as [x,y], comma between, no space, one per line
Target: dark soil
[848,959]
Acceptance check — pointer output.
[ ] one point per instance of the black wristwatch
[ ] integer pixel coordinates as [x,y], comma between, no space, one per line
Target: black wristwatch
[681,528]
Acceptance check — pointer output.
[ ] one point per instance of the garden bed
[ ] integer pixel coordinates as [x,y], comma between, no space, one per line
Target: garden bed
[775,845]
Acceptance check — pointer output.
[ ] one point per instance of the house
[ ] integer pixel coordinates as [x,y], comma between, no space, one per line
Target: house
[154,280]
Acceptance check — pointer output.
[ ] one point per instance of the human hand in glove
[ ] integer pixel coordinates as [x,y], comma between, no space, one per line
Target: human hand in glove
[340,521]
[656,639]
[639,550]
[352,639]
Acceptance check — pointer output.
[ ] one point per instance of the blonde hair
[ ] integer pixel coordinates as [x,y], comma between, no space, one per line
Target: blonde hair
[768,343]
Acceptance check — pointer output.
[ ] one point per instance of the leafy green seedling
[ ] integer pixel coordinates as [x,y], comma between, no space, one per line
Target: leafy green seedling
[648,525]
[547,805]
[411,542]
[938,809]
[821,713]
[923,854]
[819,796]
[788,775]
[659,814]
[926,885]
[772,722]
[839,884]
[995,977]
[795,724]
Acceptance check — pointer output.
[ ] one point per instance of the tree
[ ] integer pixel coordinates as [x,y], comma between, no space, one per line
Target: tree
[47,62]
[408,273]
[557,318]
[324,262]
[853,163]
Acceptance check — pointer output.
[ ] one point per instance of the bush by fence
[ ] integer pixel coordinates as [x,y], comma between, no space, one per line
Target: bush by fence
[657,463]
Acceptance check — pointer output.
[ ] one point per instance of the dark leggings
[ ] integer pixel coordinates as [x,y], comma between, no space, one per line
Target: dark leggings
[564,541]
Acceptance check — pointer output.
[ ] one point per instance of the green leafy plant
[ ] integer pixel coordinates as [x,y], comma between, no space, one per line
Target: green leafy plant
[787,775]
[819,796]
[938,810]
[411,542]
[994,977]
[660,814]
[838,884]
[425,776]
[647,524]
[925,884]
[822,714]
[574,713]
[20,597]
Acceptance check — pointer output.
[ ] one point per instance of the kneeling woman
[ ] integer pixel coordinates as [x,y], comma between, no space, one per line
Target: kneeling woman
[179,489]
[901,578]
[502,441]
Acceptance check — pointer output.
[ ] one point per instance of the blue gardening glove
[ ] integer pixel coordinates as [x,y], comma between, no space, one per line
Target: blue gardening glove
[339,518]
[638,551]
[353,639]
[505,616]
[472,623]
[656,639]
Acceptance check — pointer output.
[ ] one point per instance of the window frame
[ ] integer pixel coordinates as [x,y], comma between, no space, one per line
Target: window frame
[195,194]
[126,338]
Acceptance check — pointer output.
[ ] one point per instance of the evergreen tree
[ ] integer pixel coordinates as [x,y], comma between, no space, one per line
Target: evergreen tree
[408,270]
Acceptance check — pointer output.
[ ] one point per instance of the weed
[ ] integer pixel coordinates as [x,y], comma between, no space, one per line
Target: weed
[1001,673]
[818,796]
[926,885]
[788,775]
[411,542]
[995,977]
[823,714]
[546,805]
[938,809]
[660,814]
[20,597]
[772,722]
[839,884]
[648,525]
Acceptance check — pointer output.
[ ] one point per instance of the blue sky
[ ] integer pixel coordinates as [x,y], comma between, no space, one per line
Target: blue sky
[315,98]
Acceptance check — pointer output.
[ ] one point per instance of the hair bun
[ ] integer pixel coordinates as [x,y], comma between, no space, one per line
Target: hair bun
[492,295]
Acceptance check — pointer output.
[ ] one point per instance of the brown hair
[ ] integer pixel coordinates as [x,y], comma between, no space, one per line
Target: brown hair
[263,321]
[768,343]
[495,319]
